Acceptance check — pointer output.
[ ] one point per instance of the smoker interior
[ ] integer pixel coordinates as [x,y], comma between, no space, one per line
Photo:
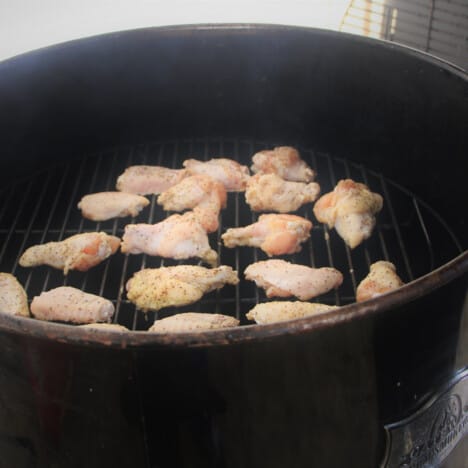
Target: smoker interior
[302,393]
[409,233]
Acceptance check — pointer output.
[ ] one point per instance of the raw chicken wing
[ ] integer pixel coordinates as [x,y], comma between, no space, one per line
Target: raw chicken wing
[278,311]
[201,193]
[146,180]
[269,192]
[68,304]
[275,234]
[80,252]
[113,327]
[227,171]
[155,288]
[381,279]
[178,236]
[107,205]
[350,209]
[283,161]
[13,298]
[193,322]
[283,279]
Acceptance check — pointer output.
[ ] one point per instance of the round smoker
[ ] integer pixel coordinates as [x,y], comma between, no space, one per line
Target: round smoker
[318,391]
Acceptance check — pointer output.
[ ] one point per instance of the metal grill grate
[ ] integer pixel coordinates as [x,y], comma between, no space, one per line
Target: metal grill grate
[43,209]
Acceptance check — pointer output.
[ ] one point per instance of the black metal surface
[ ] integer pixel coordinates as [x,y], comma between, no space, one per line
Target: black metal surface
[409,233]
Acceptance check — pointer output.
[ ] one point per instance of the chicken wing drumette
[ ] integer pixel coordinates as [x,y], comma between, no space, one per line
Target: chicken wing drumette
[275,234]
[350,209]
[79,252]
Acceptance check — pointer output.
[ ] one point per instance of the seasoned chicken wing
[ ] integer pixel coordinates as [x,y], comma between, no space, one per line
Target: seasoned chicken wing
[146,180]
[107,205]
[113,327]
[275,234]
[269,192]
[67,304]
[350,209]
[200,193]
[227,171]
[283,161]
[283,279]
[13,298]
[381,279]
[189,322]
[79,252]
[178,236]
[278,311]
[155,288]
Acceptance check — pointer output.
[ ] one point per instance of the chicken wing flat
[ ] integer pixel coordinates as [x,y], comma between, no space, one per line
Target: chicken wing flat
[275,234]
[107,205]
[67,304]
[113,327]
[79,252]
[156,288]
[200,193]
[269,192]
[189,322]
[283,161]
[284,279]
[178,236]
[227,171]
[147,180]
[278,311]
[13,298]
[350,209]
[381,279]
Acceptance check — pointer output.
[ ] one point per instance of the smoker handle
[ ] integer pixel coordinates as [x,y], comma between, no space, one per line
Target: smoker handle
[427,437]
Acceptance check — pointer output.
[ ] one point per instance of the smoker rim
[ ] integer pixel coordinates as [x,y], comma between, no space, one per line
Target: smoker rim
[215,27]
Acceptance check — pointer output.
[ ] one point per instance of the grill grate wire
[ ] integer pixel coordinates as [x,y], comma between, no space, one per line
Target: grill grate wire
[408,232]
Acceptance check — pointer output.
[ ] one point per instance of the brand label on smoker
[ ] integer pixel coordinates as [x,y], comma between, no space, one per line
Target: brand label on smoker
[426,438]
